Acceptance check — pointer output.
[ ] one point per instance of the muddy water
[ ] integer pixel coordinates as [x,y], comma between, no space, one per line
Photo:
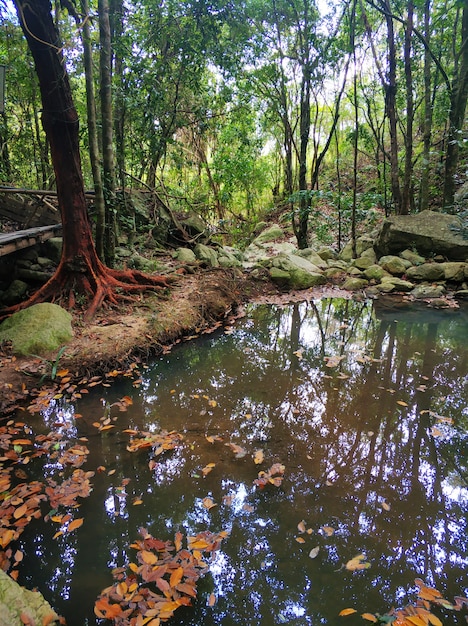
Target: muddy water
[366,409]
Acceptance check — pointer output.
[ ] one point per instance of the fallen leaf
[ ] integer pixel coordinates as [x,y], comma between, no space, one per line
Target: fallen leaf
[75,524]
[258,457]
[313,553]
[401,403]
[301,527]
[369,617]
[357,563]
[328,530]
[300,539]
[212,599]
[208,503]
[385,506]
[347,612]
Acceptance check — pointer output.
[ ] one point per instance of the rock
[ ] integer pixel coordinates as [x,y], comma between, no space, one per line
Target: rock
[123,253]
[292,262]
[454,271]
[413,257]
[426,272]
[262,253]
[354,284]
[53,249]
[301,273]
[363,262]
[228,258]
[369,254]
[19,606]
[375,272]
[421,292]
[427,232]
[40,329]
[393,264]
[354,271]
[462,294]
[206,255]
[342,265]
[15,292]
[194,225]
[362,243]
[270,234]
[313,257]
[43,261]
[396,284]
[185,255]
[33,276]
[327,253]
[333,272]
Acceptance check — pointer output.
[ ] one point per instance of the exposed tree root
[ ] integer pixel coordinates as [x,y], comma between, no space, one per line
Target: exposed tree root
[99,285]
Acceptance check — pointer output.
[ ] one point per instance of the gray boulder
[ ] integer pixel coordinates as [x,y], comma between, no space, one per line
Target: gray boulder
[393,264]
[427,232]
[454,271]
[269,234]
[421,292]
[355,284]
[206,255]
[186,255]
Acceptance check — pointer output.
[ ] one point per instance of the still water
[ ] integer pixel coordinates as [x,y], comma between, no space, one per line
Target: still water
[367,410]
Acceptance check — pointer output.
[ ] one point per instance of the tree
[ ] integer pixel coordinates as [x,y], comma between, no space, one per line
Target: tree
[80,270]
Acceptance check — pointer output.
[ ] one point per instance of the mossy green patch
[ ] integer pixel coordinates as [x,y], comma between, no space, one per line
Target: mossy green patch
[40,329]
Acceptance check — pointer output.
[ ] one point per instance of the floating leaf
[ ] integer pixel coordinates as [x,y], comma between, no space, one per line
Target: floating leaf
[328,530]
[369,617]
[347,612]
[258,457]
[385,506]
[212,599]
[313,553]
[208,503]
[301,527]
[300,539]
[357,563]
[208,468]
[401,403]
[75,524]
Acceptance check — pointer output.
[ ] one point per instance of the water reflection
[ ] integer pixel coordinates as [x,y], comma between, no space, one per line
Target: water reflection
[366,408]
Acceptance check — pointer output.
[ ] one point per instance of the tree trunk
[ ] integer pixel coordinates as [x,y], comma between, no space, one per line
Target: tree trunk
[407,199]
[427,126]
[108,159]
[94,152]
[80,269]
[390,107]
[458,102]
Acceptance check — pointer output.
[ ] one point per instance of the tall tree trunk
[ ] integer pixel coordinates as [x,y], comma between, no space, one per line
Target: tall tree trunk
[94,153]
[427,126]
[5,163]
[80,269]
[117,12]
[390,107]
[302,226]
[458,102]
[108,159]
[407,200]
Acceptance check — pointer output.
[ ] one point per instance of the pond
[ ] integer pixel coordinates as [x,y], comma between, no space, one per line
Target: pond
[365,406]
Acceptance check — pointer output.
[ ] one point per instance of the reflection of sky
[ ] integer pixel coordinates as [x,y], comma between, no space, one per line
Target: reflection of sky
[355,438]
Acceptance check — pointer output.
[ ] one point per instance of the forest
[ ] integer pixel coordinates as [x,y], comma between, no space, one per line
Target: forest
[233,108]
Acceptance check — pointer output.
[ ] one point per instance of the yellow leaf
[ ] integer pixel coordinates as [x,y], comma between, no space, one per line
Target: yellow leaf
[300,539]
[176,576]
[212,403]
[148,557]
[137,501]
[357,563]
[435,621]
[401,403]
[75,524]
[347,612]
[258,457]
[416,620]
[369,617]
[20,511]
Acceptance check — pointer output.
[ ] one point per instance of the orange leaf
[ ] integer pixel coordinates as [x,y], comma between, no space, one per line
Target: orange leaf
[148,557]
[20,511]
[347,612]
[212,599]
[369,617]
[75,524]
[176,576]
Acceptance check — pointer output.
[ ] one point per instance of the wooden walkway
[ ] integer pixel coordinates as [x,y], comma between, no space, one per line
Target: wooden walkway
[10,242]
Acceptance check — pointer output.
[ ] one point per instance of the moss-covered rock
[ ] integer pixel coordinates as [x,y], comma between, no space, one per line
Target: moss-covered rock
[269,234]
[421,292]
[375,272]
[186,255]
[40,329]
[426,272]
[393,264]
[18,604]
[206,255]
[354,284]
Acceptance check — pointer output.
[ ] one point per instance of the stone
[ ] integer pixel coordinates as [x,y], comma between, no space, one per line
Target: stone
[393,264]
[355,284]
[207,255]
[413,257]
[369,254]
[186,255]
[313,257]
[362,243]
[421,292]
[354,271]
[363,262]
[123,253]
[15,293]
[227,258]
[292,262]
[342,265]
[398,284]
[427,232]
[53,249]
[33,276]
[375,272]
[454,271]
[333,272]
[20,606]
[43,261]
[426,272]
[327,253]
[269,234]
[194,225]
[39,329]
